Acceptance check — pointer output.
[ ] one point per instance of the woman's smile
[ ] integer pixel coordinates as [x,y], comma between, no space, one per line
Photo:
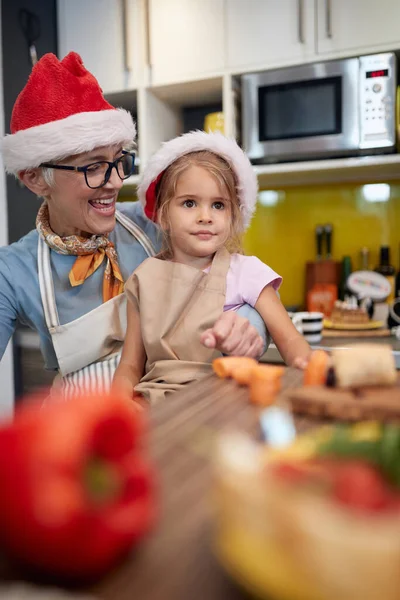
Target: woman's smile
[104,206]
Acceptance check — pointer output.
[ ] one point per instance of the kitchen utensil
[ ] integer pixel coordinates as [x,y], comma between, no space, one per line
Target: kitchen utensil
[322,275]
[319,238]
[30,25]
[328,229]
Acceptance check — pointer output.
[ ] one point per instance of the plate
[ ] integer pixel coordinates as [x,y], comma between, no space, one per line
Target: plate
[353,326]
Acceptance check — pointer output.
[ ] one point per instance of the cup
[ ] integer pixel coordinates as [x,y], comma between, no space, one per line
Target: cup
[309,324]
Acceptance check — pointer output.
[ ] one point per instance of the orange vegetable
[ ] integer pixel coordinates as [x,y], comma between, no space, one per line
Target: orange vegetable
[239,368]
[265,384]
[316,370]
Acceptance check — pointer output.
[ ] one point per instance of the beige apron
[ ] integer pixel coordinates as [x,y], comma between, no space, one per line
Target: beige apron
[177,303]
[88,349]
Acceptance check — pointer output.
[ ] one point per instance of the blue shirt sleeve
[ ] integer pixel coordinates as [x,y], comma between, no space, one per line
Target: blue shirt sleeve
[8,308]
[250,313]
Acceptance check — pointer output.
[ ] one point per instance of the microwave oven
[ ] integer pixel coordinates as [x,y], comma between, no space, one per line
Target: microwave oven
[335,108]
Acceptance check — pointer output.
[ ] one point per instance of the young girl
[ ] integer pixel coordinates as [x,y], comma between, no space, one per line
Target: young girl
[201,190]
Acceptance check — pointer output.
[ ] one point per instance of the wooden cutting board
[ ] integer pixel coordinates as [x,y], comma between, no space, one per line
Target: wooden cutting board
[345,333]
[380,403]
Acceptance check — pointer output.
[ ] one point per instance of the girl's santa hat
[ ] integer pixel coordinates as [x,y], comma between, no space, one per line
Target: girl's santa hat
[61,112]
[196,141]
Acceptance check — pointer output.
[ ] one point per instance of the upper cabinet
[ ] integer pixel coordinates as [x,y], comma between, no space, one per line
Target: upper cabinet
[357,26]
[268,33]
[276,33]
[186,39]
[110,37]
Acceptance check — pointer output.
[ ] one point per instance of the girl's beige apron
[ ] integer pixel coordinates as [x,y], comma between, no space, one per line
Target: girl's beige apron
[176,304]
[88,349]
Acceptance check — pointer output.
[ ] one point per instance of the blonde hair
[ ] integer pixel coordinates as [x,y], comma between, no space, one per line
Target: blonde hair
[222,172]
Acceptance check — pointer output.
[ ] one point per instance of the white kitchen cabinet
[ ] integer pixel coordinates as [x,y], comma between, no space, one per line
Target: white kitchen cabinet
[109,35]
[268,33]
[357,26]
[186,39]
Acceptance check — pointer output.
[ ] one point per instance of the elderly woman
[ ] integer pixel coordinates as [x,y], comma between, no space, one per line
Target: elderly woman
[65,279]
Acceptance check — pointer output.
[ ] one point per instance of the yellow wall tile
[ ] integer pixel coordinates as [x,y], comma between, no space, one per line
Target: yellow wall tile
[282,235]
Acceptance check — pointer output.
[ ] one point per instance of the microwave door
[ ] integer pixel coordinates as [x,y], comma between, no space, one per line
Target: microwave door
[303,112]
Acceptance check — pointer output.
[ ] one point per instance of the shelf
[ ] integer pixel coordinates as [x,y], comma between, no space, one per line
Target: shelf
[372,169]
[336,170]
[190,93]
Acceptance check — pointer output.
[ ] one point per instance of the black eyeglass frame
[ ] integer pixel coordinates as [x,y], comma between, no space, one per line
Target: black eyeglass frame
[107,175]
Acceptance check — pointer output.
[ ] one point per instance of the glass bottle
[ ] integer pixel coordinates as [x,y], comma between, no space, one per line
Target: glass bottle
[346,271]
[364,259]
[387,270]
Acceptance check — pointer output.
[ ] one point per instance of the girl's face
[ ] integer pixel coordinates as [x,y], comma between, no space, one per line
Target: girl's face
[198,217]
[74,208]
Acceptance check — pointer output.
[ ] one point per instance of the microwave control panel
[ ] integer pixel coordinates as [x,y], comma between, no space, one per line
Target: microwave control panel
[377,93]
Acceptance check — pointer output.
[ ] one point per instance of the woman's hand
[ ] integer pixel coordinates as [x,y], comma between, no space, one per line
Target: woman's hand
[233,335]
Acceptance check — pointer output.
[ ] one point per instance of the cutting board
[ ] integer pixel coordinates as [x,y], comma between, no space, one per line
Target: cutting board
[345,333]
[380,403]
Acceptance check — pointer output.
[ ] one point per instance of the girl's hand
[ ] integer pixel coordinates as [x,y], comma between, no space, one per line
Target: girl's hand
[234,335]
[300,362]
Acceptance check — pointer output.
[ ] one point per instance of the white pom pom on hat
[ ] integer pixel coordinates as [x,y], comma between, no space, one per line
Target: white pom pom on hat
[195,141]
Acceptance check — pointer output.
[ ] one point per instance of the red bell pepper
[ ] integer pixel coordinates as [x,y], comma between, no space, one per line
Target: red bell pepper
[76,487]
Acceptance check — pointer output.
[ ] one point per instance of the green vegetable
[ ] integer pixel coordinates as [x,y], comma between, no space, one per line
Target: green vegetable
[383,452]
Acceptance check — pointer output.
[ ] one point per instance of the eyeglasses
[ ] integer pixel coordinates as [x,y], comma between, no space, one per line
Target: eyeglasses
[98,173]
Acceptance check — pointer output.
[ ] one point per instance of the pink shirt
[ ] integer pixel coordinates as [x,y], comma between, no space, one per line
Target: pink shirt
[247,277]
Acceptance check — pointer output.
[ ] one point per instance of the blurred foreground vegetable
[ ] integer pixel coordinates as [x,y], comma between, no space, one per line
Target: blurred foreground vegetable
[77,490]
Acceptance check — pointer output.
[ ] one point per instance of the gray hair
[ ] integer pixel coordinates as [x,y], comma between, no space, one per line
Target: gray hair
[48,175]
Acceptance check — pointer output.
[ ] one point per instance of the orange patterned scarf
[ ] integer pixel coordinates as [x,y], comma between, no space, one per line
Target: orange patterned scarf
[90,254]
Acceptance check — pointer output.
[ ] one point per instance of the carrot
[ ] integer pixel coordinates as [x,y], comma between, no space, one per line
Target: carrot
[263,392]
[316,370]
[265,384]
[237,367]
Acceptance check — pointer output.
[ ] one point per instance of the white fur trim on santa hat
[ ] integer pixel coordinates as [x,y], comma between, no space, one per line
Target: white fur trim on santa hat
[195,141]
[81,132]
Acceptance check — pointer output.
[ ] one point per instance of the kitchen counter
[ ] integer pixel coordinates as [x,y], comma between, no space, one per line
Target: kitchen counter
[272,355]
[176,562]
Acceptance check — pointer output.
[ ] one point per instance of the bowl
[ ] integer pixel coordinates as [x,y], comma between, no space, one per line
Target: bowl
[288,544]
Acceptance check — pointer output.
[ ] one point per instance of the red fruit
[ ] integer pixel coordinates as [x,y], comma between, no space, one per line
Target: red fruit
[361,486]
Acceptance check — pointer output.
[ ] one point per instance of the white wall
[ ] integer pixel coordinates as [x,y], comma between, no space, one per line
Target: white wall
[6,364]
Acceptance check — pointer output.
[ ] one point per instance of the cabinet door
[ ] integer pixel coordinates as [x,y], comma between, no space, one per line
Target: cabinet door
[268,32]
[357,26]
[105,34]
[186,39]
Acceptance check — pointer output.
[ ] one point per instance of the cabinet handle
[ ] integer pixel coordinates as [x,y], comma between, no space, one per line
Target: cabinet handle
[328,22]
[126,36]
[147,33]
[300,32]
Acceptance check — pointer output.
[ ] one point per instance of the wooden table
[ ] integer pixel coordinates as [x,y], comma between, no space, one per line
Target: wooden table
[176,562]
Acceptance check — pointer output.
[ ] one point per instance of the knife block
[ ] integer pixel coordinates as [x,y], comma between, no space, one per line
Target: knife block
[322,275]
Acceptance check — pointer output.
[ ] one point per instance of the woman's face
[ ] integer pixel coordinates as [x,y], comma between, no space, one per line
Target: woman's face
[76,209]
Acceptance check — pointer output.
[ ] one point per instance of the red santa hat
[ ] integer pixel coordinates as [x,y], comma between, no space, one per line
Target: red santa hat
[227,148]
[60,112]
